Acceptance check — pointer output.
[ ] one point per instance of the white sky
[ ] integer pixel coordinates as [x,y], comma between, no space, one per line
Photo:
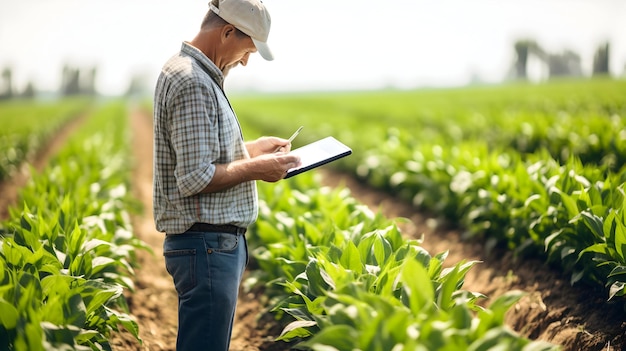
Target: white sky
[318,45]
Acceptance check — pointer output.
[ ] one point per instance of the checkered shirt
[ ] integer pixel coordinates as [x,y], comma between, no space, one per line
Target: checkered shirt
[195,128]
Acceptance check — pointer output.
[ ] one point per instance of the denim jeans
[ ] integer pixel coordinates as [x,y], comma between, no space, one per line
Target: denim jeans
[207,269]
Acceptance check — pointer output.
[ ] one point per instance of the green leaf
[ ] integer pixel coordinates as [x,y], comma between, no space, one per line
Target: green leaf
[101,263]
[382,250]
[34,336]
[127,322]
[74,311]
[76,239]
[609,226]
[296,329]
[496,339]
[569,202]
[340,337]
[617,271]
[8,315]
[594,223]
[351,259]
[317,278]
[102,297]
[620,241]
[86,335]
[56,334]
[417,286]
[597,248]
[448,286]
[26,219]
[502,303]
[298,313]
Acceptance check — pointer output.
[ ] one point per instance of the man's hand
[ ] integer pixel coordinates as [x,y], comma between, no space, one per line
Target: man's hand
[274,166]
[267,145]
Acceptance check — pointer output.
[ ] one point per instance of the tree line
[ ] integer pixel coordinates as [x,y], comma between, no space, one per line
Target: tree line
[76,81]
[563,64]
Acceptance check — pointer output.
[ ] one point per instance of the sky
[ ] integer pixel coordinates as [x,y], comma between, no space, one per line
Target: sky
[318,45]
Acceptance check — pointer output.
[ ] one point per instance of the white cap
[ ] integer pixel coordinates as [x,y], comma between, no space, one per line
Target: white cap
[250,17]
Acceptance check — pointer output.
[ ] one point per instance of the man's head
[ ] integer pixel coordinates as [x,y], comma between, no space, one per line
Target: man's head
[250,17]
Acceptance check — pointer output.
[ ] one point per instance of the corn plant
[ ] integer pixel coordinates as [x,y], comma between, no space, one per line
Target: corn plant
[346,279]
[26,126]
[67,251]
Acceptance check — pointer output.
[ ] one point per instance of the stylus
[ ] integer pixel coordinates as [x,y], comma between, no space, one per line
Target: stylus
[293,136]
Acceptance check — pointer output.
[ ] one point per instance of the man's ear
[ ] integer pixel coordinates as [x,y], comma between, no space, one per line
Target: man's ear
[227,31]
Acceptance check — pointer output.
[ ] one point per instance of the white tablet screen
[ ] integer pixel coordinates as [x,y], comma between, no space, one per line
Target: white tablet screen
[318,153]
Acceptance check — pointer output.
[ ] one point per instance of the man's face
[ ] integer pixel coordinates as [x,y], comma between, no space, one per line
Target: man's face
[237,49]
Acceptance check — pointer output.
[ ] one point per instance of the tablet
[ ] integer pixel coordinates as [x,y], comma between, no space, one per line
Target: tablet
[318,153]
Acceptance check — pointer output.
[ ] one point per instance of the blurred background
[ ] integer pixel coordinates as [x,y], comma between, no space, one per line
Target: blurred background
[50,48]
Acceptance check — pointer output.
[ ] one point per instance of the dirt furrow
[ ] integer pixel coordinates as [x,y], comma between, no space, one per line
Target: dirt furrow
[9,188]
[577,318]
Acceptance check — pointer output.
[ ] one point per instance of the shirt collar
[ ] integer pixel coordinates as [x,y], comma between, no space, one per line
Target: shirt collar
[206,63]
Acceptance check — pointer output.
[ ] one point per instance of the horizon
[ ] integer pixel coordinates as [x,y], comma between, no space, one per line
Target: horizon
[445,44]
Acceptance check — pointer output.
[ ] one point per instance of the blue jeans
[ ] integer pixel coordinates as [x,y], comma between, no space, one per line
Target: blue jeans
[207,269]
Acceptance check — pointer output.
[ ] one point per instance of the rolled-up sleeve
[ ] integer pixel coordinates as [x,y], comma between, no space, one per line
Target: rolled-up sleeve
[194,138]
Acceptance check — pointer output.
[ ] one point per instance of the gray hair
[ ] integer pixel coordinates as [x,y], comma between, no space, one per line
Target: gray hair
[212,20]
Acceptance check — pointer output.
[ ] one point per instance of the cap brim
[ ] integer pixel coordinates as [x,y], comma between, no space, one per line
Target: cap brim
[263,49]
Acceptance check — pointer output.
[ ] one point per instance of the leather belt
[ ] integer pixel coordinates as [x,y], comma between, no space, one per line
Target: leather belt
[215,228]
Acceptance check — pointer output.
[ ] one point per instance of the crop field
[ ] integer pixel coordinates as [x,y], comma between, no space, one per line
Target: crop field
[528,172]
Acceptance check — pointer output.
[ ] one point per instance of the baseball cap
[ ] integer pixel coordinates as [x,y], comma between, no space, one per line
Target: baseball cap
[250,17]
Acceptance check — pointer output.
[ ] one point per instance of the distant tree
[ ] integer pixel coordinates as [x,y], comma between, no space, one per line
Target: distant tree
[29,91]
[7,77]
[521,59]
[564,64]
[89,87]
[138,85]
[567,63]
[601,60]
[523,50]
[70,82]
[75,82]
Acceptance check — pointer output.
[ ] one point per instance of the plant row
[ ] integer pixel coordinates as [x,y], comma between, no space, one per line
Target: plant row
[572,214]
[536,168]
[27,126]
[341,277]
[67,251]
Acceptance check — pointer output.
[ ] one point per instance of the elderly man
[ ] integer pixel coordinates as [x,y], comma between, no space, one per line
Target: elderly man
[205,193]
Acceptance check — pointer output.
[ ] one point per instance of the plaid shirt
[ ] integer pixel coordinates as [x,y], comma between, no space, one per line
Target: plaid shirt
[195,128]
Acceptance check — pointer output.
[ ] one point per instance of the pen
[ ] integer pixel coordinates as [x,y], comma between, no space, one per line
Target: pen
[293,136]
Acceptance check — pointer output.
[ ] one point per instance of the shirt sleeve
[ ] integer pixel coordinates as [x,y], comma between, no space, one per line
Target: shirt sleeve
[194,137]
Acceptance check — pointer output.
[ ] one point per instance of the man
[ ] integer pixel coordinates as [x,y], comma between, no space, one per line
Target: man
[204,173]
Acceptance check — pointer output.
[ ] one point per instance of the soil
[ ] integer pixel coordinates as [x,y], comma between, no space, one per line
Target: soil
[577,318]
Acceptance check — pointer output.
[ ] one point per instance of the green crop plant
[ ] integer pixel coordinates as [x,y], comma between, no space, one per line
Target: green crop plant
[342,278]
[27,126]
[67,250]
[502,162]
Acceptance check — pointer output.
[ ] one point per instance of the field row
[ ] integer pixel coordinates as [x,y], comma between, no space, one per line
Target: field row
[537,169]
[67,250]
[27,127]
[332,265]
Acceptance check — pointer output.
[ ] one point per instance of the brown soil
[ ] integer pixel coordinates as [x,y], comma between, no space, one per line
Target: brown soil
[577,318]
